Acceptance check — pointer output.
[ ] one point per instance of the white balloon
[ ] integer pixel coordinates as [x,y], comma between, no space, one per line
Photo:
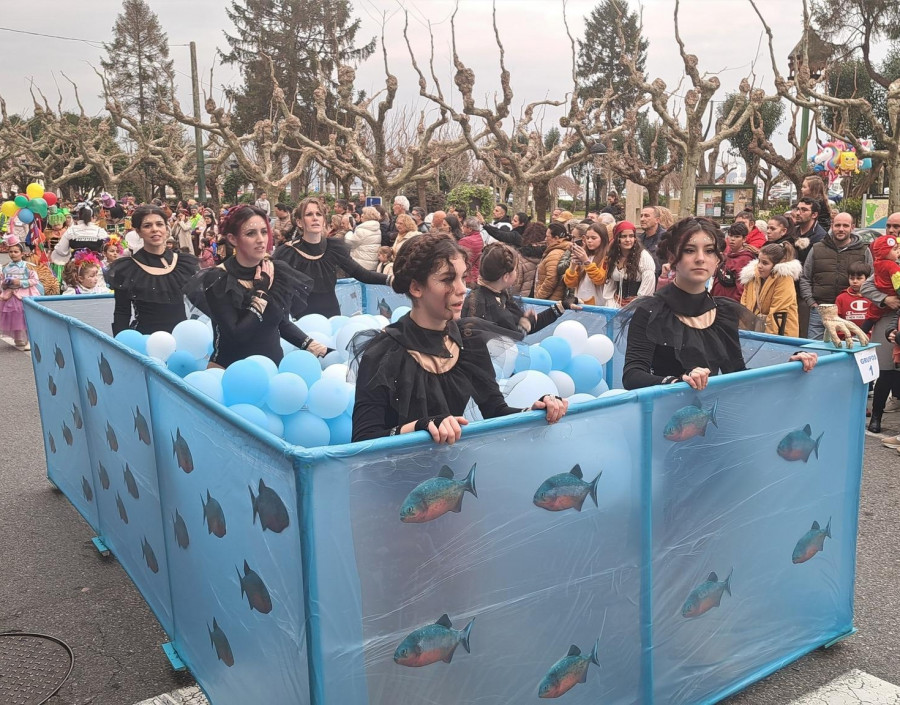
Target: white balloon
[335,357]
[614,393]
[580,398]
[574,334]
[525,388]
[194,336]
[399,312]
[355,325]
[600,347]
[339,371]
[563,382]
[266,363]
[314,322]
[382,321]
[337,322]
[601,388]
[161,345]
[325,338]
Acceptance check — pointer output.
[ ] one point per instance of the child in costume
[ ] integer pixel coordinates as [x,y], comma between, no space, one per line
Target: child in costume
[82,275]
[19,281]
[886,252]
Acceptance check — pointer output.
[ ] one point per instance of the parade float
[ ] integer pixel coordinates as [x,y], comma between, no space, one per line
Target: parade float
[656,546]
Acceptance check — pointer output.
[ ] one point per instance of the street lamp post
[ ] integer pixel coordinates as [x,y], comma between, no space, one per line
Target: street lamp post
[597,150]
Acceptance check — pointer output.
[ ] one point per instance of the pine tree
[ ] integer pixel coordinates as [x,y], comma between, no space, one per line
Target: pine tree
[297,35]
[598,67]
[137,61]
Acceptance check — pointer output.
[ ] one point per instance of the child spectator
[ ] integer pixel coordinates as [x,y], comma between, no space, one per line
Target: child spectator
[19,281]
[769,288]
[385,260]
[207,256]
[82,275]
[852,306]
[885,251]
[112,250]
[739,254]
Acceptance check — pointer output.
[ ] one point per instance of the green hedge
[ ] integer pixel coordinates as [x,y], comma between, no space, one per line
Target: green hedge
[464,193]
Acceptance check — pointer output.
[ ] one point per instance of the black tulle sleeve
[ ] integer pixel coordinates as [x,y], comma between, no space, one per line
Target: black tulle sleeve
[356,270]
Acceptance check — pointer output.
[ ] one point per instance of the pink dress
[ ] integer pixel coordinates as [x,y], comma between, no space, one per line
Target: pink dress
[12,312]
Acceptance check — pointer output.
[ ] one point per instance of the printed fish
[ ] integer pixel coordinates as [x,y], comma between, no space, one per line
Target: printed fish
[104,476]
[219,641]
[182,538]
[433,643]
[123,515]
[567,490]
[255,589]
[384,309]
[182,452]
[706,596]
[60,360]
[111,438]
[52,443]
[568,672]
[149,555]
[799,445]
[131,483]
[690,421]
[812,542]
[273,515]
[437,496]
[67,434]
[36,349]
[76,417]
[86,488]
[105,370]
[92,393]
[51,385]
[140,425]
[213,515]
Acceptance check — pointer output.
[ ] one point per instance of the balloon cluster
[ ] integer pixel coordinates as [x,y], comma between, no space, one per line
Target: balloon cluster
[568,364]
[837,158]
[34,202]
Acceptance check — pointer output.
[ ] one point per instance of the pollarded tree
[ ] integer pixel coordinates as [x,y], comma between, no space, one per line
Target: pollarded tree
[641,153]
[137,60]
[766,119]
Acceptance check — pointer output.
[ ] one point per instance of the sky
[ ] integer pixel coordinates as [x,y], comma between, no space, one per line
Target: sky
[726,35]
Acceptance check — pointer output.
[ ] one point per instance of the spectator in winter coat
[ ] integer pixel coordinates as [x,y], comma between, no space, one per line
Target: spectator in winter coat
[738,255]
[473,242]
[406,230]
[756,238]
[530,254]
[282,224]
[632,270]
[769,288]
[809,232]
[366,239]
[549,284]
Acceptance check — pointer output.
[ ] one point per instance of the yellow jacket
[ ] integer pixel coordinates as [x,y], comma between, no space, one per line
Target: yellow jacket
[549,284]
[594,271]
[778,294]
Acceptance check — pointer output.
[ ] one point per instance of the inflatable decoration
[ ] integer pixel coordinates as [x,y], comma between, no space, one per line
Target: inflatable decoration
[654,546]
[838,158]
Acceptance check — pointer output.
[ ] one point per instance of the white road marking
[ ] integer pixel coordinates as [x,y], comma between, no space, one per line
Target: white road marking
[853,688]
[183,696]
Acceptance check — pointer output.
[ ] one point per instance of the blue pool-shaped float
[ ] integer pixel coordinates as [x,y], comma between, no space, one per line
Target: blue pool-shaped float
[721,545]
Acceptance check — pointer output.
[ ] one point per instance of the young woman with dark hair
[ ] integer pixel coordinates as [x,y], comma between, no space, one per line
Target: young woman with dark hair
[249,297]
[419,373]
[152,280]
[319,258]
[587,270]
[83,234]
[549,282]
[682,333]
[631,269]
[531,252]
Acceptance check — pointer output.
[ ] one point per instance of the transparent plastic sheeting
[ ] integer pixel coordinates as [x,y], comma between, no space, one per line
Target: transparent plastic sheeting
[720,547]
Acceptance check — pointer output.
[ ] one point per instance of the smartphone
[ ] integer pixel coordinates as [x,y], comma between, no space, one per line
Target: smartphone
[580,243]
[474,205]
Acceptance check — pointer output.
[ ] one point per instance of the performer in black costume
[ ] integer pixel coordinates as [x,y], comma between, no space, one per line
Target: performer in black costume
[420,372]
[308,251]
[152,280]
[248,298]
[682,333]
[491,300]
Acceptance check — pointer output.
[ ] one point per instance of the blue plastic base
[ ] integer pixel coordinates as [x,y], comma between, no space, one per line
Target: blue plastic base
[101,547]
[839,638]
[174,658]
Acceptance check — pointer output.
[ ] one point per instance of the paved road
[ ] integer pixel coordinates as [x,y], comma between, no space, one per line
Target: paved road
[54,581]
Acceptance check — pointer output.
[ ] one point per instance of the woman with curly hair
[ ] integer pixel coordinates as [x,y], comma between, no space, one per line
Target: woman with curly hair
[419,373]
[632,270]
[319,258]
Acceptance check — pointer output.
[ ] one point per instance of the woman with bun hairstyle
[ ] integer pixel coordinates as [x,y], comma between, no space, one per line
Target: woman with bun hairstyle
[83,234]
[491,300]
[419,373]
[151,282]
[549,283]
[249,297]
[530,253]
[319,258]
[769,288]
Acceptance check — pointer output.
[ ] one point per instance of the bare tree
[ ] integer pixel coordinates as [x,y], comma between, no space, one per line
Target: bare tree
[641,155]
[688,137]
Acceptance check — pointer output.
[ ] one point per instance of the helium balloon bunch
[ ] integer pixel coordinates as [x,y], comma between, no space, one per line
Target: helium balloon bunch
[28,212]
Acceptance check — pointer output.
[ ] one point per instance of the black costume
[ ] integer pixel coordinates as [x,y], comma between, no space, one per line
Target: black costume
[509,235]
[248,316]
[409,373]
[320,262]
[662,346]
[154,285]
[503,309]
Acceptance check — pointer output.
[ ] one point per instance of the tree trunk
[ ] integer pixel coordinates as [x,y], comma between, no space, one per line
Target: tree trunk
[692,160]
[520,197]
[420,195]
[652,193]
[542,198]
[893,165]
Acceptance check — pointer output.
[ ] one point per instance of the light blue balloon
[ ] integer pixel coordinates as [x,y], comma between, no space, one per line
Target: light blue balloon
[586,371]
[399,312]
[274,423]
[217,372]
[182,363]
[287,393]
[328,398]
[337,322]
[207,383]
[352,402]
[133,340]
[303,363]
[266,363]
[314,323]
[25,215]
[335,357]
[560,351]
[253,414]
[306,429]
[540,359]
[193,336]
[341,428]
[245,382]
[286,347]
[601,388]
[523,359]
